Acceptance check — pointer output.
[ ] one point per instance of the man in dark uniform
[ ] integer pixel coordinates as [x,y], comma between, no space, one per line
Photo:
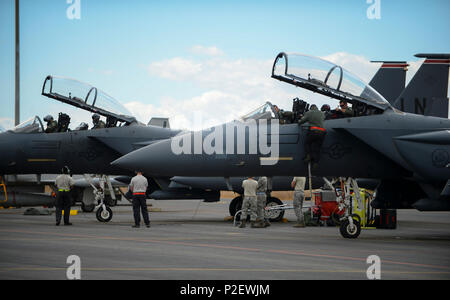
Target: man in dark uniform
[52,125]
[315,135]
[63,200]
[97,122]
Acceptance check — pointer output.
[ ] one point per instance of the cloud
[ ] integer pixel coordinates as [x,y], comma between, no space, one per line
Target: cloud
[6,124]
[209,51]
[231,88]
[358,65]
[176,68]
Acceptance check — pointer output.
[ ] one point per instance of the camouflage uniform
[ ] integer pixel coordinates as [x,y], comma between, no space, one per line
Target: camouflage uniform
[249,201]
[261,199]
[299,196]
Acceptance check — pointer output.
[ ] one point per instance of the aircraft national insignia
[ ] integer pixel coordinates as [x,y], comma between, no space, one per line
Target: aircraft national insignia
[90,154]
[337,150]
[440,158]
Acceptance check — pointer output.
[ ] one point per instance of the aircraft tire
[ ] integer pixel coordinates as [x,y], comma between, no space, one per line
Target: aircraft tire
[104,216]
[235,205]
[348,232]
[274,216]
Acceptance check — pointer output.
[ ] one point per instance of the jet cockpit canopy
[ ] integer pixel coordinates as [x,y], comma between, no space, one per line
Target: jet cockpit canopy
[326,78]
[87,97]
[265,111]
[32,125]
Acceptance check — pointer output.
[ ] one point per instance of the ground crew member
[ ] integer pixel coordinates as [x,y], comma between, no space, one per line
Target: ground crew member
[138,186]
[249,201]
[52,125]
[298,184]
[97,122]
[261,199]
[63,200]
[315,135]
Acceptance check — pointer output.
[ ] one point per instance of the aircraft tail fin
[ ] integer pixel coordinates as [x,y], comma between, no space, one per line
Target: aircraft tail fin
[390,79]
[426,93]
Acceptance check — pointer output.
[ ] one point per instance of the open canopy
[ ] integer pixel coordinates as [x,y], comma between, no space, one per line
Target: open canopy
[85,96]
[326,78]
[32,125]
[265,111]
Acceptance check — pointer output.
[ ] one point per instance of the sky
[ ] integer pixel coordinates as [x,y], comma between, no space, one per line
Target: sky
[201,59]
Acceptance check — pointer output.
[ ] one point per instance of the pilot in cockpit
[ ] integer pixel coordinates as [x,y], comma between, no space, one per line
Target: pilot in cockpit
[326,110]
[344,109]
[285,117]
[52,125]
[97,122]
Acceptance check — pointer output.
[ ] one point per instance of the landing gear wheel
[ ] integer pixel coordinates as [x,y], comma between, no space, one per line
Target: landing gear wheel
[274,215]
[104,215]
[234,204]
[87,207]
[348,231]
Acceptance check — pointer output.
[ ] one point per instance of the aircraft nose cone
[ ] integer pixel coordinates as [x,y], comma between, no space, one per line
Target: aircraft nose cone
[159,160]
[153,160]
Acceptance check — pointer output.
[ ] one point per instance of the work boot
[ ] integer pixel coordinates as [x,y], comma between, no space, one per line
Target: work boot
[299,225]
[243,223]
[258,224]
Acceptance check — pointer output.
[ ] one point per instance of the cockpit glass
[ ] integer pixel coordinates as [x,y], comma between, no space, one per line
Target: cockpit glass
[83,93]
[326,77]
[263,112]
[32,125]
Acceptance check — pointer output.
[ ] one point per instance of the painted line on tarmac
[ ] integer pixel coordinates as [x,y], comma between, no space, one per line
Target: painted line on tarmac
[289,252]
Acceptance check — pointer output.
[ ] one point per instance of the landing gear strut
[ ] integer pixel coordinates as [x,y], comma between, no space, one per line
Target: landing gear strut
[350,224]
[104,213]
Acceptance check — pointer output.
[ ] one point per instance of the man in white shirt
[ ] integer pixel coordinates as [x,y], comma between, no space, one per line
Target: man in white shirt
[249,201]
[138,186]
[298,184]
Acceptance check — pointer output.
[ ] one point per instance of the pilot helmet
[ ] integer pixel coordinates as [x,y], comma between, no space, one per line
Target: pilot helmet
[48,118]
[95,117]
[325,107]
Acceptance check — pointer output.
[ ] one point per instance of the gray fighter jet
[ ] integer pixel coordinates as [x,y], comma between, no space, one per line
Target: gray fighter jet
[27,149]
[389,80]
[408,153]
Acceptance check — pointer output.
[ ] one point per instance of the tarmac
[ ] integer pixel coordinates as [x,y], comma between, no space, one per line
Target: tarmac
[193,240]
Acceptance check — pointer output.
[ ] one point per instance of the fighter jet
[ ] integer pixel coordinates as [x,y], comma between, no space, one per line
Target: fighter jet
[389,80]
[408,153]
[28,149]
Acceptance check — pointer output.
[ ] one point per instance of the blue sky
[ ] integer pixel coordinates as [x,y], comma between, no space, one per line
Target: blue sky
[114,42]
